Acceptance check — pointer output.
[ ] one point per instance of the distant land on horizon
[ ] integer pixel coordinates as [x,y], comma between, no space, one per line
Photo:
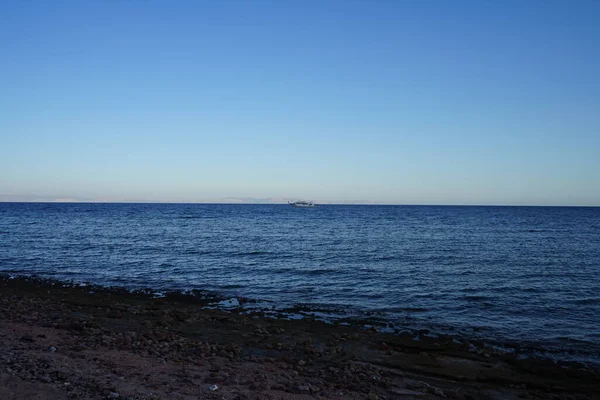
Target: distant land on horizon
[10,198]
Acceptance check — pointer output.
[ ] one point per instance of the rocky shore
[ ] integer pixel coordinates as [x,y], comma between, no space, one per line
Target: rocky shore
[70,342]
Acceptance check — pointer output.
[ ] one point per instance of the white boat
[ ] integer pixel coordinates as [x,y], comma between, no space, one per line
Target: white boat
[301,203]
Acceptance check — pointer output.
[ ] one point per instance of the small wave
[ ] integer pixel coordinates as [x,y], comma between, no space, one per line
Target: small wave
[588,301]
[385,258]
[305,272]
[282,270]
[312,272]
[9,260]
[199,252]
[303,290]
[531,290]
[424,296]
[10,271]
[371,296]
[407,309]
[232,286]
[314,307]
[253,253]
[474,298]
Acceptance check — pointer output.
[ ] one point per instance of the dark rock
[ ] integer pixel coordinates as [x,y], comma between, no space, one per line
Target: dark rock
[180,315]
[304,388]
[112,313]
[76,326]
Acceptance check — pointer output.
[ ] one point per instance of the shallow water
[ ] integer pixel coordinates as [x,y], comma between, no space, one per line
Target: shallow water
[528,274]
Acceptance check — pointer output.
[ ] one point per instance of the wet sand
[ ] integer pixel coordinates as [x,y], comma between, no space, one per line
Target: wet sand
[61,342]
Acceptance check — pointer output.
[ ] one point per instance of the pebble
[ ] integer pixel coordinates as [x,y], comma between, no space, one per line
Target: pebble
[113,395]
[51,349]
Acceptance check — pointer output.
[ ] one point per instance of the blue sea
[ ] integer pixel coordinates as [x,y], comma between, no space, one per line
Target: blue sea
[524,275]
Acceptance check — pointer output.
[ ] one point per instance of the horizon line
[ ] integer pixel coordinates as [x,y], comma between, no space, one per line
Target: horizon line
[358,203]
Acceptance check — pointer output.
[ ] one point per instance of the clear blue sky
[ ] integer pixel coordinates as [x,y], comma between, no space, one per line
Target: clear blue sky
[418,102]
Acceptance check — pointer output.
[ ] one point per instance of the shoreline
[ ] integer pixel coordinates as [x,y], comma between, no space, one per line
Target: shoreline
[111,342]
[365,319]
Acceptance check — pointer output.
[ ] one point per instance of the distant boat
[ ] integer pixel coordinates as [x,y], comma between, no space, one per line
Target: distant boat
[301,203]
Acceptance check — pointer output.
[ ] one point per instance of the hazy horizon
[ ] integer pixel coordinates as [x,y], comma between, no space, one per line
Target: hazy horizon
[433,103]
[254,201]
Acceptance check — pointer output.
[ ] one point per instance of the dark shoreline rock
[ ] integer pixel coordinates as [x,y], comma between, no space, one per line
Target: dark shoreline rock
[209,299]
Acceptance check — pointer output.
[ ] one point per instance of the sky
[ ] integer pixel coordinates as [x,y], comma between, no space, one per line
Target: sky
[394,102]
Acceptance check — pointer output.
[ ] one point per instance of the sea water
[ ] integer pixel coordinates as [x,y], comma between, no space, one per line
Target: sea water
[523,274]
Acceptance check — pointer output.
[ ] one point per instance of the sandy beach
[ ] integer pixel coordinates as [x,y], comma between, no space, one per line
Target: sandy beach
[64,342]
